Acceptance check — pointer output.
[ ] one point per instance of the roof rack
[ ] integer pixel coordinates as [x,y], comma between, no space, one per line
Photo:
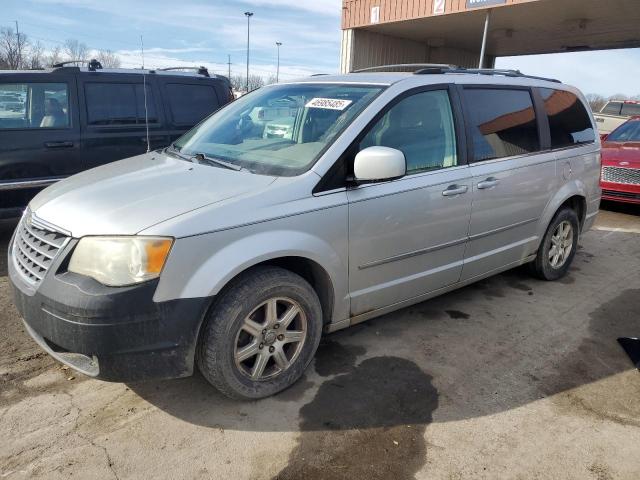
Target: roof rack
[199,70]
[68,62]
[482,71]
[405,67]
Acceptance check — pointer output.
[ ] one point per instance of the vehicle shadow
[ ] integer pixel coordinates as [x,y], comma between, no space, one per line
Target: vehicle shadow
[6,230]
[496,345]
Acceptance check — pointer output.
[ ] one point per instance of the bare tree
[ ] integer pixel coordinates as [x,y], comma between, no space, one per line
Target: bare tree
[54,56]
[76,50]
[596,101]
[239,82]
[271,79]
[108,59]
[619,96]
[12,48]
[36,55]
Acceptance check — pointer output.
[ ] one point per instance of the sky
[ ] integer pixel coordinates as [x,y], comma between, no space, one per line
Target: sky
[205,32]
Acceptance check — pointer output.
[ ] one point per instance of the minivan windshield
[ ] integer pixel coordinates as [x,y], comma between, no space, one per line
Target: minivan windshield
[278,130]
[628,132]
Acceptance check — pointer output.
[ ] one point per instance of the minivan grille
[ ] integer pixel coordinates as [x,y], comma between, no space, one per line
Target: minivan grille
[34,248]
[629,176]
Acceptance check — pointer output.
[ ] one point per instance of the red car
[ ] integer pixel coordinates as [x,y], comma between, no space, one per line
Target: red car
[621,163]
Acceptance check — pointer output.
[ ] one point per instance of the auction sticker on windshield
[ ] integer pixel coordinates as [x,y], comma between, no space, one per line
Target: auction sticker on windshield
[328,103]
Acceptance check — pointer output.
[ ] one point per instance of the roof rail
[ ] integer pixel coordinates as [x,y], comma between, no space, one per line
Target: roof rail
[62,64]
[199,70]
[484,71]
[405,67]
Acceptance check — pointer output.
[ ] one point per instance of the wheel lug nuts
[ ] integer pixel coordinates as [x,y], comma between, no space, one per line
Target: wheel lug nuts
[281,337]
[264,332]
[272,349]
[261,346]
[277,325]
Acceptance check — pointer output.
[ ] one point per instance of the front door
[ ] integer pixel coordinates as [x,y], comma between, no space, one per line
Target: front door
[407,237]
[39,135]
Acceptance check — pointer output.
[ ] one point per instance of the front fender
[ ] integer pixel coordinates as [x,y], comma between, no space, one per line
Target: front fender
[201,266]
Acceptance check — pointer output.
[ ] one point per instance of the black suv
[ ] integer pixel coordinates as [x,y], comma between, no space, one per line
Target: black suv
[60,121]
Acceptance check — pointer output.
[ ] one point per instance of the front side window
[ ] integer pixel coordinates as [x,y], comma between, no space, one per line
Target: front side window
[34,105]
[191,103]
[569,122]
[280,129]
[421,126]
[627,132]
[503,123]
[118,104]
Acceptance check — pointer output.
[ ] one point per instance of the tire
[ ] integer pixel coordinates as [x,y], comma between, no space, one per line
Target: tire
[235,354]
[548,266]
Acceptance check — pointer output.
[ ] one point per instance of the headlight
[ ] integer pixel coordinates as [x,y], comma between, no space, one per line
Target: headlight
[120,261]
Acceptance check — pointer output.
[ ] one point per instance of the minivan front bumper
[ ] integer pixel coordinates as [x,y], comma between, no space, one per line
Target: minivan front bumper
[115,334]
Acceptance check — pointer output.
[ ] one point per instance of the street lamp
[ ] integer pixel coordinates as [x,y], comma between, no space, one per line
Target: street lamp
[248,15]
[278,44]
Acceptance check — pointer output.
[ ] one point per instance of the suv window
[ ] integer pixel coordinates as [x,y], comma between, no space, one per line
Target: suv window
[503,123]
[34,105]
[612,108]
[118,104]
[421,126]
[630,109]
[569,121]
[191,103]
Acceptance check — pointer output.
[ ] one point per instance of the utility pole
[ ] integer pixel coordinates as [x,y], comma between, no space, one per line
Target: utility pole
[19,59]
[278,44]
[229,64]
[249,15]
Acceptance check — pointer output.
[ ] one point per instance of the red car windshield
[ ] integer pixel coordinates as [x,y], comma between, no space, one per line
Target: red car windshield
[629,132]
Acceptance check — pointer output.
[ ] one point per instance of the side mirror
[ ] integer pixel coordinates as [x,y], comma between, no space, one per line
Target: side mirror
[603,137]
[379,163]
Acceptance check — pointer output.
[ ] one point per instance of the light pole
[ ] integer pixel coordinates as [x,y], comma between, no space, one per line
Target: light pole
[278,44]
[249,15]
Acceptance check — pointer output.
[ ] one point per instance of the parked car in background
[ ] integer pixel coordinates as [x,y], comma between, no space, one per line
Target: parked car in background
[73,119]
[615,113]
[621,163]
[232,250]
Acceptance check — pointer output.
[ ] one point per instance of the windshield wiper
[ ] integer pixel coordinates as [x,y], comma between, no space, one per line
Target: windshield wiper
[201,157]
[172,149]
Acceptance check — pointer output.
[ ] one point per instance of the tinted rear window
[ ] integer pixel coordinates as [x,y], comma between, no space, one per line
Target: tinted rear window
[503,123]
[118,104]
[191,103]
[569,122]
[631,109]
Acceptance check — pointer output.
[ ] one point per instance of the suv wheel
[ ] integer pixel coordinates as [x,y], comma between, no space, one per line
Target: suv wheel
[558,246]
[261,334]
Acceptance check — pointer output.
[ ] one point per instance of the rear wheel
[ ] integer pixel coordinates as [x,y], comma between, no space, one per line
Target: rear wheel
[558,246]
[261,334]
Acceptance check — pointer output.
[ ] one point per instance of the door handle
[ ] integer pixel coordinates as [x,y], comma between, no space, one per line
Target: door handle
[453,190]
[488,183]
[58,144]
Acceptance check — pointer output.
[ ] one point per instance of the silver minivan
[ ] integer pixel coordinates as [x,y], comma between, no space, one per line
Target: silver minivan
[234,250]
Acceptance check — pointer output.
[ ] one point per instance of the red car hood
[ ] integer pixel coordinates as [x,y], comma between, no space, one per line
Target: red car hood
[621,154]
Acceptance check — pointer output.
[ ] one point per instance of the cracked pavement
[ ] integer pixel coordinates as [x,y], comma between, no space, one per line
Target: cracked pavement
[507,378]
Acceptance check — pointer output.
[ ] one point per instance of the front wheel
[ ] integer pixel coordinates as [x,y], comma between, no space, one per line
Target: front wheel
[558,246]
[261,334]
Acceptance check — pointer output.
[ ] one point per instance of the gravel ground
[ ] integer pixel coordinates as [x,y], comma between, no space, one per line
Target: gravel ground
[508,378]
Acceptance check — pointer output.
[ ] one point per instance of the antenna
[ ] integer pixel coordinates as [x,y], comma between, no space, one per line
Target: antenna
[144,88]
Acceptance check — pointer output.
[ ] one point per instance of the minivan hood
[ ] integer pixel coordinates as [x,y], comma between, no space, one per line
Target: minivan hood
[125,197]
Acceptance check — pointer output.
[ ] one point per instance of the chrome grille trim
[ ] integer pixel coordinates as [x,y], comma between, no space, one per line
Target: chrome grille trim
[628,176]
[35,247]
